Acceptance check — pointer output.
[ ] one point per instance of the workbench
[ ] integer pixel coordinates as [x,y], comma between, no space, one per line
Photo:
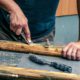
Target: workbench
[21,60]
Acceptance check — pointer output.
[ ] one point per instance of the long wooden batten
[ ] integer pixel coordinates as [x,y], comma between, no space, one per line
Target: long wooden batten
[33,48]
[39,74]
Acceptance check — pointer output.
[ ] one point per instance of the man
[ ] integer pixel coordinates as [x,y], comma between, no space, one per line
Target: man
[36,18]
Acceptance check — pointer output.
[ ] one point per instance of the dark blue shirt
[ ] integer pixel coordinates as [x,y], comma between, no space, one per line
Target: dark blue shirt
[40,15]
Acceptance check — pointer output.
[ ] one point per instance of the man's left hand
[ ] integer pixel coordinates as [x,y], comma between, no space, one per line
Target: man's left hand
[72,51]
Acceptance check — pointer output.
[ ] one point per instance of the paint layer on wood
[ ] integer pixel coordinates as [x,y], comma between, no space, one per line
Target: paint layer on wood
[67,7]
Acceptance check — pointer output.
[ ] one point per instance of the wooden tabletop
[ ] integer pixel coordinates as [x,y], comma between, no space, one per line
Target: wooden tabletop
[21,60]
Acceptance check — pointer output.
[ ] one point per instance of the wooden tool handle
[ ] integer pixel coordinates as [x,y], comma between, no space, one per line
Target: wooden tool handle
[39,74]
[33,48]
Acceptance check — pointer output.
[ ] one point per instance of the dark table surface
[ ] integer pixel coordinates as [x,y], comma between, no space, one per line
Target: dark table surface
[21,60]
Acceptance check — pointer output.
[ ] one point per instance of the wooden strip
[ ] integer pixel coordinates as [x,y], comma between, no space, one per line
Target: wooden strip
[33,48]
[39,74]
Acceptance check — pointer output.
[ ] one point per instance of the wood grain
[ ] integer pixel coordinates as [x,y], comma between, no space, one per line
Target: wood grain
[39,74]
[33,48]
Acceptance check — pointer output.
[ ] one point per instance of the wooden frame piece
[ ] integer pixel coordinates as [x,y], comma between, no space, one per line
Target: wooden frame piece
[33,48]
[39,74]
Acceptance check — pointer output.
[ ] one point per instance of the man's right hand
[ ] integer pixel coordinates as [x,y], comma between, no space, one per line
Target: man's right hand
[18,21]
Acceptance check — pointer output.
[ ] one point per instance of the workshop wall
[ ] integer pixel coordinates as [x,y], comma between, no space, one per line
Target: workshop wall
[67,22]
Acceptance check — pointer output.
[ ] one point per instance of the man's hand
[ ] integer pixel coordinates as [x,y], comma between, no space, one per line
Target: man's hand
[72,51]
[18,21]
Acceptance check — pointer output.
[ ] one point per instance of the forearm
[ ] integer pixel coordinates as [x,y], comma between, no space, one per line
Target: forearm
[9,5]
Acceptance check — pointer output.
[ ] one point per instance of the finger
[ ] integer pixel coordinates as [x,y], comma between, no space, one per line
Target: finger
[12,23]
[18,30]
[69,52]
[73,55]
[65,50]
[12,28]
[27,32]
[78,55]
